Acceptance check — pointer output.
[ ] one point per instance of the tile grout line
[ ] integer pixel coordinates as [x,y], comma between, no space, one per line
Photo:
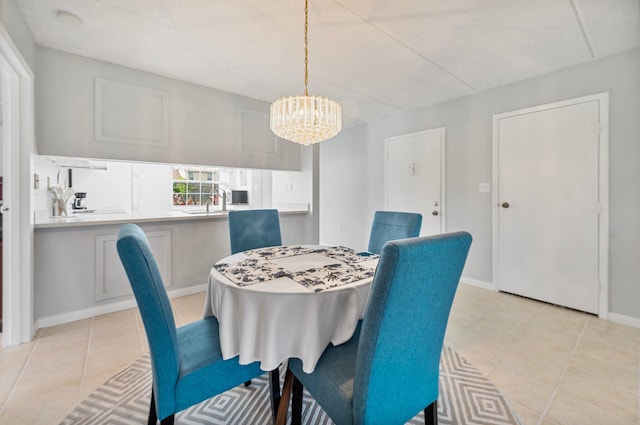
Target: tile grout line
[564,372]
[86,356]
[22,369]
[500,358]
[508,346]
[608,361]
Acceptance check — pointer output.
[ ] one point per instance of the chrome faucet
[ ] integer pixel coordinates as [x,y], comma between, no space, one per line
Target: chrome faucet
[209,202]
[223,194]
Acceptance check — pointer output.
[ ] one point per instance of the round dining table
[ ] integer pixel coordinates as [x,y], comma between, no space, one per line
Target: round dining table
[291,304]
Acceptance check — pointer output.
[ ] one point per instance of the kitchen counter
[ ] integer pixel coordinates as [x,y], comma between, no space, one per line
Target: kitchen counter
[78,273]
[102,217]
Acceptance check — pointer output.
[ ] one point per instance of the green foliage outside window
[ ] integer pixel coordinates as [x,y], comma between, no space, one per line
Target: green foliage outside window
[194,186]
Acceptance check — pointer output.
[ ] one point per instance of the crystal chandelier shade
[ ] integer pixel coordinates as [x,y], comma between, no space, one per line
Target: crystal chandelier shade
[306,119]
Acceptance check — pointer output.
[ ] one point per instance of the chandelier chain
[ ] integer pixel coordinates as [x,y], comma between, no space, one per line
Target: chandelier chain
[306,48]
[305,119]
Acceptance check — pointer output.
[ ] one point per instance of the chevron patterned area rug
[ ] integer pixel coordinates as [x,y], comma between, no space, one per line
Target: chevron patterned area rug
[466,398]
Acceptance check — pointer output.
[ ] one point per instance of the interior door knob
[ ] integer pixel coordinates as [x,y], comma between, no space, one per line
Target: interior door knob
[435,213]
[505,205]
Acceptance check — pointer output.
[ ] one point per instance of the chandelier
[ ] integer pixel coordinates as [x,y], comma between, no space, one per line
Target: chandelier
[306,119]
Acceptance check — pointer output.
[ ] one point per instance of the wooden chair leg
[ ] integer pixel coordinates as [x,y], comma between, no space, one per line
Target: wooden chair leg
[274,385]
[283,408]
[431,414]
[296,402]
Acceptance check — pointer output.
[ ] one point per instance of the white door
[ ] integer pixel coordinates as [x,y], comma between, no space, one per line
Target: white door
[548,202]
[414,177]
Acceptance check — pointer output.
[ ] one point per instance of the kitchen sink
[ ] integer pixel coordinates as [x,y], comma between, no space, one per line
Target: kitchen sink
[203,212]
[105,211]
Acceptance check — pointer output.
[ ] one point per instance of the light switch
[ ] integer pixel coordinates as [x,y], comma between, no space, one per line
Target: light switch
[484,187]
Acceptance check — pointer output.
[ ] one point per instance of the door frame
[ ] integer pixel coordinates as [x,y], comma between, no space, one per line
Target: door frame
[17,144]
[603,189]
[443,169]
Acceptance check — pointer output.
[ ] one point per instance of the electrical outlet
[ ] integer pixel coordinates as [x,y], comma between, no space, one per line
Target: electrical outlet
[484,187]
[36,181]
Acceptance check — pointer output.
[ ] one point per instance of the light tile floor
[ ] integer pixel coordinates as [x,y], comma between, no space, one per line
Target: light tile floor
[555,365]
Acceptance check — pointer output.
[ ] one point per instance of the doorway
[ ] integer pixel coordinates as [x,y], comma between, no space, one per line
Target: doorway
[17,229]
[415,177]
[550,178]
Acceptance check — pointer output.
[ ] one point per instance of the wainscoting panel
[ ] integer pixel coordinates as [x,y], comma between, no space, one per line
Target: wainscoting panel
[254,137]
[125,113]
[111,279]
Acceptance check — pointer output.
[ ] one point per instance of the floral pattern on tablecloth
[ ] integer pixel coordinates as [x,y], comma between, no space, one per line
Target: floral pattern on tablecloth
[277,252]
[346,255]
[257,267]
[331,276]
[250,271]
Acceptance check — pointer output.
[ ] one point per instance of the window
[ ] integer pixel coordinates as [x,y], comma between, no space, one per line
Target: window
[197,185]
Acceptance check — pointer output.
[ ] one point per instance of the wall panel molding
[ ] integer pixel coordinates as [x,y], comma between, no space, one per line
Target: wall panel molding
[126,113]
[111,279]
[253,135]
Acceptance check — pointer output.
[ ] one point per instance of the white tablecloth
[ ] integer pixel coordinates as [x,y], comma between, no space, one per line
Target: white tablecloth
[277,319]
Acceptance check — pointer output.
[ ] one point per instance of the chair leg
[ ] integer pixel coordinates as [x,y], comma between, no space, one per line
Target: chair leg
[274,384]
[168,420]
[296,402]
[153,417]
[246,384]
[431,414]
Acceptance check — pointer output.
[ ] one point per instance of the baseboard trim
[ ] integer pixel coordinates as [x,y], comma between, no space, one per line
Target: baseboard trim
[624,320]
[72,316]
[478,283]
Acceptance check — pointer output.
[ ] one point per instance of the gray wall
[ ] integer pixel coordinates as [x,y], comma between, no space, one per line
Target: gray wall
[206,126]
[20,33]
[344,188]
[352,166]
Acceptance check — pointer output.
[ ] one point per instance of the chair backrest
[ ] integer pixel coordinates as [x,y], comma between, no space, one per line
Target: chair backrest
[155,309]
[404,325]
[251,229]
[392,225]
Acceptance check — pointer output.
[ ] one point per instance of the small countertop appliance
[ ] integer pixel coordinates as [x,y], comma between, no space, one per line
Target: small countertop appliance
[239,197]
[77,202]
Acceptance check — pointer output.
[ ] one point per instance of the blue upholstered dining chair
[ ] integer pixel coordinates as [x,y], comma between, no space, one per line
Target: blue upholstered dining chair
[251,229]
[388,371]
[392,225]
[186,362]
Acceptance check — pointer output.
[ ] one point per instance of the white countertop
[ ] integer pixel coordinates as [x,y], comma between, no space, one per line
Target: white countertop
[106,217]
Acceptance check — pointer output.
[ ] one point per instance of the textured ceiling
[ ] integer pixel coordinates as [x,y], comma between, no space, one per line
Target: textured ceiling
[376,57]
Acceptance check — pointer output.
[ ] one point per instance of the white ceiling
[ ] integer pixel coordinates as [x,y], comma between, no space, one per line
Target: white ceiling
[376,57]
